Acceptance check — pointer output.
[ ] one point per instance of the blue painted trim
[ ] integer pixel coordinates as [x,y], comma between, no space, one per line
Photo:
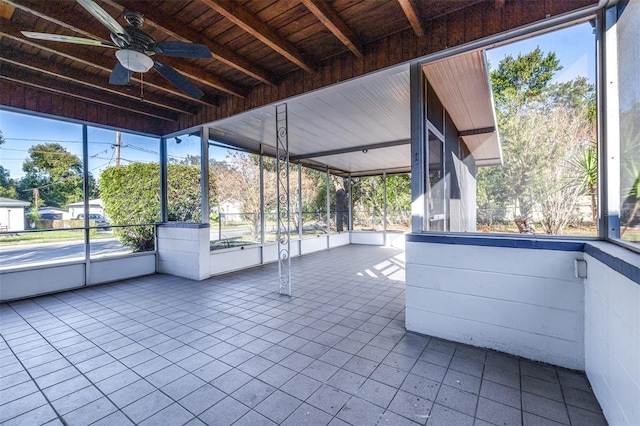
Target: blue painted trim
[617,258]
[507,242]
[621,260]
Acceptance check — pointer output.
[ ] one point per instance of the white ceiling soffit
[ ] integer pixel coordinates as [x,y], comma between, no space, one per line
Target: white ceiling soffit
[462,84]
[369,110]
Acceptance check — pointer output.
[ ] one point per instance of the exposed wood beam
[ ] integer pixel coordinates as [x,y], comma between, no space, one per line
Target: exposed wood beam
[185,33]
[37,80]
[57,12]
[325,13]
[243,18]
[410,10]
[31,62]
[87,57]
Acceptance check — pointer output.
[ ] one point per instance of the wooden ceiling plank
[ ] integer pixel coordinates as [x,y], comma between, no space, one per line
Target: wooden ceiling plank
[335,24]
[63,88]
[185,33]
[20,59]
[410,10]
[88,57]
[240,16]
[57,13]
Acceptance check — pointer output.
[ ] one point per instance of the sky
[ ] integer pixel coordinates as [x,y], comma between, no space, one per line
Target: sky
[574,46]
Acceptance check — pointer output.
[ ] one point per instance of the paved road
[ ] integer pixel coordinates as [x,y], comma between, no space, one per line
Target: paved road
[74,250]
[55,252]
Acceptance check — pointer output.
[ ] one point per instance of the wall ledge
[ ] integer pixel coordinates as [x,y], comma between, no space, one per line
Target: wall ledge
[618,258]
[192,225]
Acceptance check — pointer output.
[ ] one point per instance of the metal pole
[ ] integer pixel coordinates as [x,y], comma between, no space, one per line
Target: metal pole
[164,209]
[328,212]
[262,218]
[384,208]
[85,194]
[284,205]
[300,224]
[204,170]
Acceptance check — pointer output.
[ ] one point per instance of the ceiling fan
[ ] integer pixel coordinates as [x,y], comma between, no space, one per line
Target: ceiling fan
[135,48]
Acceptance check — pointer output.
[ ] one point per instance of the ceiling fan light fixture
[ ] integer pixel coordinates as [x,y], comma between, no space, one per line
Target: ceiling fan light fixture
[133,60]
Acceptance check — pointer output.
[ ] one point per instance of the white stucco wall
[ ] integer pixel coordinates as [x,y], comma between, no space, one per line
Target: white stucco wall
[526,302]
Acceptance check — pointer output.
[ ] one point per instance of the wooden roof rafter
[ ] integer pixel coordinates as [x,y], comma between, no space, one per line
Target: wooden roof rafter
[410,9]
[330,19]
[243,18]
[185,33]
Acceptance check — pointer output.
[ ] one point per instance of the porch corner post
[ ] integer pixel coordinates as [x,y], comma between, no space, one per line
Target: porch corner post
[164,197]
[417,102]
[204,170]
[85,194]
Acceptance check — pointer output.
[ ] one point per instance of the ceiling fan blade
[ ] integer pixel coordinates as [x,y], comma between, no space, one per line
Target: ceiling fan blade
[120,75]
[178,80]
[182,50]
[67,39]
[107,20]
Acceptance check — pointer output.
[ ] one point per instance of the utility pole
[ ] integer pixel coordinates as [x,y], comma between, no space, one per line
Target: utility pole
[118,148]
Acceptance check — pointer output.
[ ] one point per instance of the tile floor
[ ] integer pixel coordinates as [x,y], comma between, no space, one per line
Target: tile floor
[229,350]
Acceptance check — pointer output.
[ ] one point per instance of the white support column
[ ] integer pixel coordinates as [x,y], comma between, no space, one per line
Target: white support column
[418,181]
[384,208]
[328,212]
[284,205]
[204,170]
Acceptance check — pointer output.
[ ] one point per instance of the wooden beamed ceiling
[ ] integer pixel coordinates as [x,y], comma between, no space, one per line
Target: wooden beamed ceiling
[263,51]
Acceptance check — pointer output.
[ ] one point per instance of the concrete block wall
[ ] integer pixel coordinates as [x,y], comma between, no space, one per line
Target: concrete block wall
[527,302]
[612,339]
[183,250]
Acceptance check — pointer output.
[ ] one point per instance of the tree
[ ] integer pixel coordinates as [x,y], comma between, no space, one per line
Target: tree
[54,175]
[238,181]
[131,195]
[545,128]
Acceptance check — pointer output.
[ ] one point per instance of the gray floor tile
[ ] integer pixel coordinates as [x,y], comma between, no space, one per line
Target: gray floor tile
[444,416]
[278,406]
[501,393]
[21,406]
[497,413]
[429,370]
[504,377]
[91,412]
[225,412]
[462,381]
[541,387]
[329,399]
[389,375]
[361,366]
[457,399]
[277,375]
[131,393]
[346,381]
[174,414]
[301,386]
[320,371]
[77,399]
[253,393]
[231,380]
[308,415]
[360,412]
[421,386]
[377,393]
[411,406]
[579,416]
[544,407]
[182,386]
[147,406]
[65,388]
[253,418]
[581,399]
[38,416]
[202,399]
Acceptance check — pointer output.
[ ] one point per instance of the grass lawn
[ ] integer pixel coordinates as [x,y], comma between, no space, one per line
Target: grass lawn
[34,237]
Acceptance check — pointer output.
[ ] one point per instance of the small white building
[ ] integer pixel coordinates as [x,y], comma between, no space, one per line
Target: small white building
[95,206]
[12,214]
